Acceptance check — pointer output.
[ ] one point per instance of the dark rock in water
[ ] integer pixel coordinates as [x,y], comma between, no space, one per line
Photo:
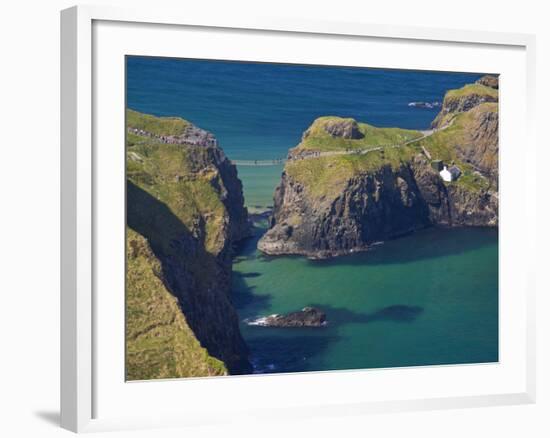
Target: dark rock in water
[307,317]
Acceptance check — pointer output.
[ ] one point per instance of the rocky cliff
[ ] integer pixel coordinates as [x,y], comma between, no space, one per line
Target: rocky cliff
[346,188]
[185,210]
[466,98]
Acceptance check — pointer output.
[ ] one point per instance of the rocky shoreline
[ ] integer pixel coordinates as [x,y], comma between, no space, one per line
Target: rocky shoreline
[324,207]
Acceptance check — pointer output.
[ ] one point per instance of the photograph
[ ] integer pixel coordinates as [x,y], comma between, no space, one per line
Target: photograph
[290,218]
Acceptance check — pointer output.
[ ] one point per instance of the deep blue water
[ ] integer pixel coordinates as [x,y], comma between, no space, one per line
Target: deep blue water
[426,299]
[259,111]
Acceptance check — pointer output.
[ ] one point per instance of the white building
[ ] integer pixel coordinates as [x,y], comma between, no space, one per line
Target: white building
[451,174]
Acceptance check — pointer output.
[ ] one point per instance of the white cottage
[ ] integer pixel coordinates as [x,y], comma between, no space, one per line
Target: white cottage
[451,174]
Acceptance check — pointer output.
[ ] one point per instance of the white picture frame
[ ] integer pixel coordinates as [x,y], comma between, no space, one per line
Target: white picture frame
[81,374]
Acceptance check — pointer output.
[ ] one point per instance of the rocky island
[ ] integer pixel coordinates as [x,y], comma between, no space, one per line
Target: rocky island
[307,317]
[349,185]
[185,210]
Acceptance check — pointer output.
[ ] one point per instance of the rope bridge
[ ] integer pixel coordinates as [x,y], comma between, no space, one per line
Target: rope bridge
[259,162]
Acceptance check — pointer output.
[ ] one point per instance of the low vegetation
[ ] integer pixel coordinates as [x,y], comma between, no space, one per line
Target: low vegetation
[317,138]
[156,125]
[170,206]
[326,175]
[159,342]
[472,89]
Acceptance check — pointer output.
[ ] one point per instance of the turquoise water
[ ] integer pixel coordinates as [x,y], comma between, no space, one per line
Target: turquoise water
[425,299]
[259,182]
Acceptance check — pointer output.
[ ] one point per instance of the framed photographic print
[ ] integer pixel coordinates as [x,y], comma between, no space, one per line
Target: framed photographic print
[331,214]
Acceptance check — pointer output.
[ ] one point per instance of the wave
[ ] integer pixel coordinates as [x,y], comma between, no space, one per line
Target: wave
[260,321]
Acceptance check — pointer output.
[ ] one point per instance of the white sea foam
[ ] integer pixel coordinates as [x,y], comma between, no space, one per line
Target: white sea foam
[261,321]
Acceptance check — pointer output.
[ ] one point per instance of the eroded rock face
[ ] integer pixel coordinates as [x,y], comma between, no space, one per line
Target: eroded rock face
[194,244]
[453,204]
[462,102]
[371,208]
[346,128]
[389,200]
[307,317]
[479,146]
[489,81]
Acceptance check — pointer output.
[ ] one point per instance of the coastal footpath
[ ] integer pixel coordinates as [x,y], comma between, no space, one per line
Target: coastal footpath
[185,211]
[348,185]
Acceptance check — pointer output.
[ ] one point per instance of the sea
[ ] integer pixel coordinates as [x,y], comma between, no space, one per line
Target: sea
[430,298]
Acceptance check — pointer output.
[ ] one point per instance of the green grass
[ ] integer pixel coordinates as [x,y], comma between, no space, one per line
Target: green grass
[469,89]
[159,343]
[325,177]
[319,139]
[156,125]
[169,201]
[166,173]
[441,146]
[472,182]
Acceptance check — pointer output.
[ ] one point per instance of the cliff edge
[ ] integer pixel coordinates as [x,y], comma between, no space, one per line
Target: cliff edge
[349,185]
[185,210]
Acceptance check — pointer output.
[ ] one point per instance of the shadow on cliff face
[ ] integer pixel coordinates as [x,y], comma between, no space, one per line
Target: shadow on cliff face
[424,244]
[199,280]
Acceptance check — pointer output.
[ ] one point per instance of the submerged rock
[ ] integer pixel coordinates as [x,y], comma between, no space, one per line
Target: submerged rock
[307,317]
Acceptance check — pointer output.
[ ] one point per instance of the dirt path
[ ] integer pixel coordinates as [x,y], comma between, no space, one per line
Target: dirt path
[305,155]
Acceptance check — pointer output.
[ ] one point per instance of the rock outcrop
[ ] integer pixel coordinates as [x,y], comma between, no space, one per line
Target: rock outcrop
[463,100]
[307,317]
[345,128]
[488,81]
[328,205]
[185,199]
[479,144]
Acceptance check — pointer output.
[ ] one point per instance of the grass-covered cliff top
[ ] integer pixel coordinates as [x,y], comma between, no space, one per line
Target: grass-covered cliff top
[174,212]
[350,143]
[472,90]
[332,133]
[325,176]
[156,125]
[464,99]
[165,171]
[442,145]
[159,342]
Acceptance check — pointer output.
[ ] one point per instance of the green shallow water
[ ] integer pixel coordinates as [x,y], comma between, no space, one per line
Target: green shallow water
[259,182]
[424,299]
